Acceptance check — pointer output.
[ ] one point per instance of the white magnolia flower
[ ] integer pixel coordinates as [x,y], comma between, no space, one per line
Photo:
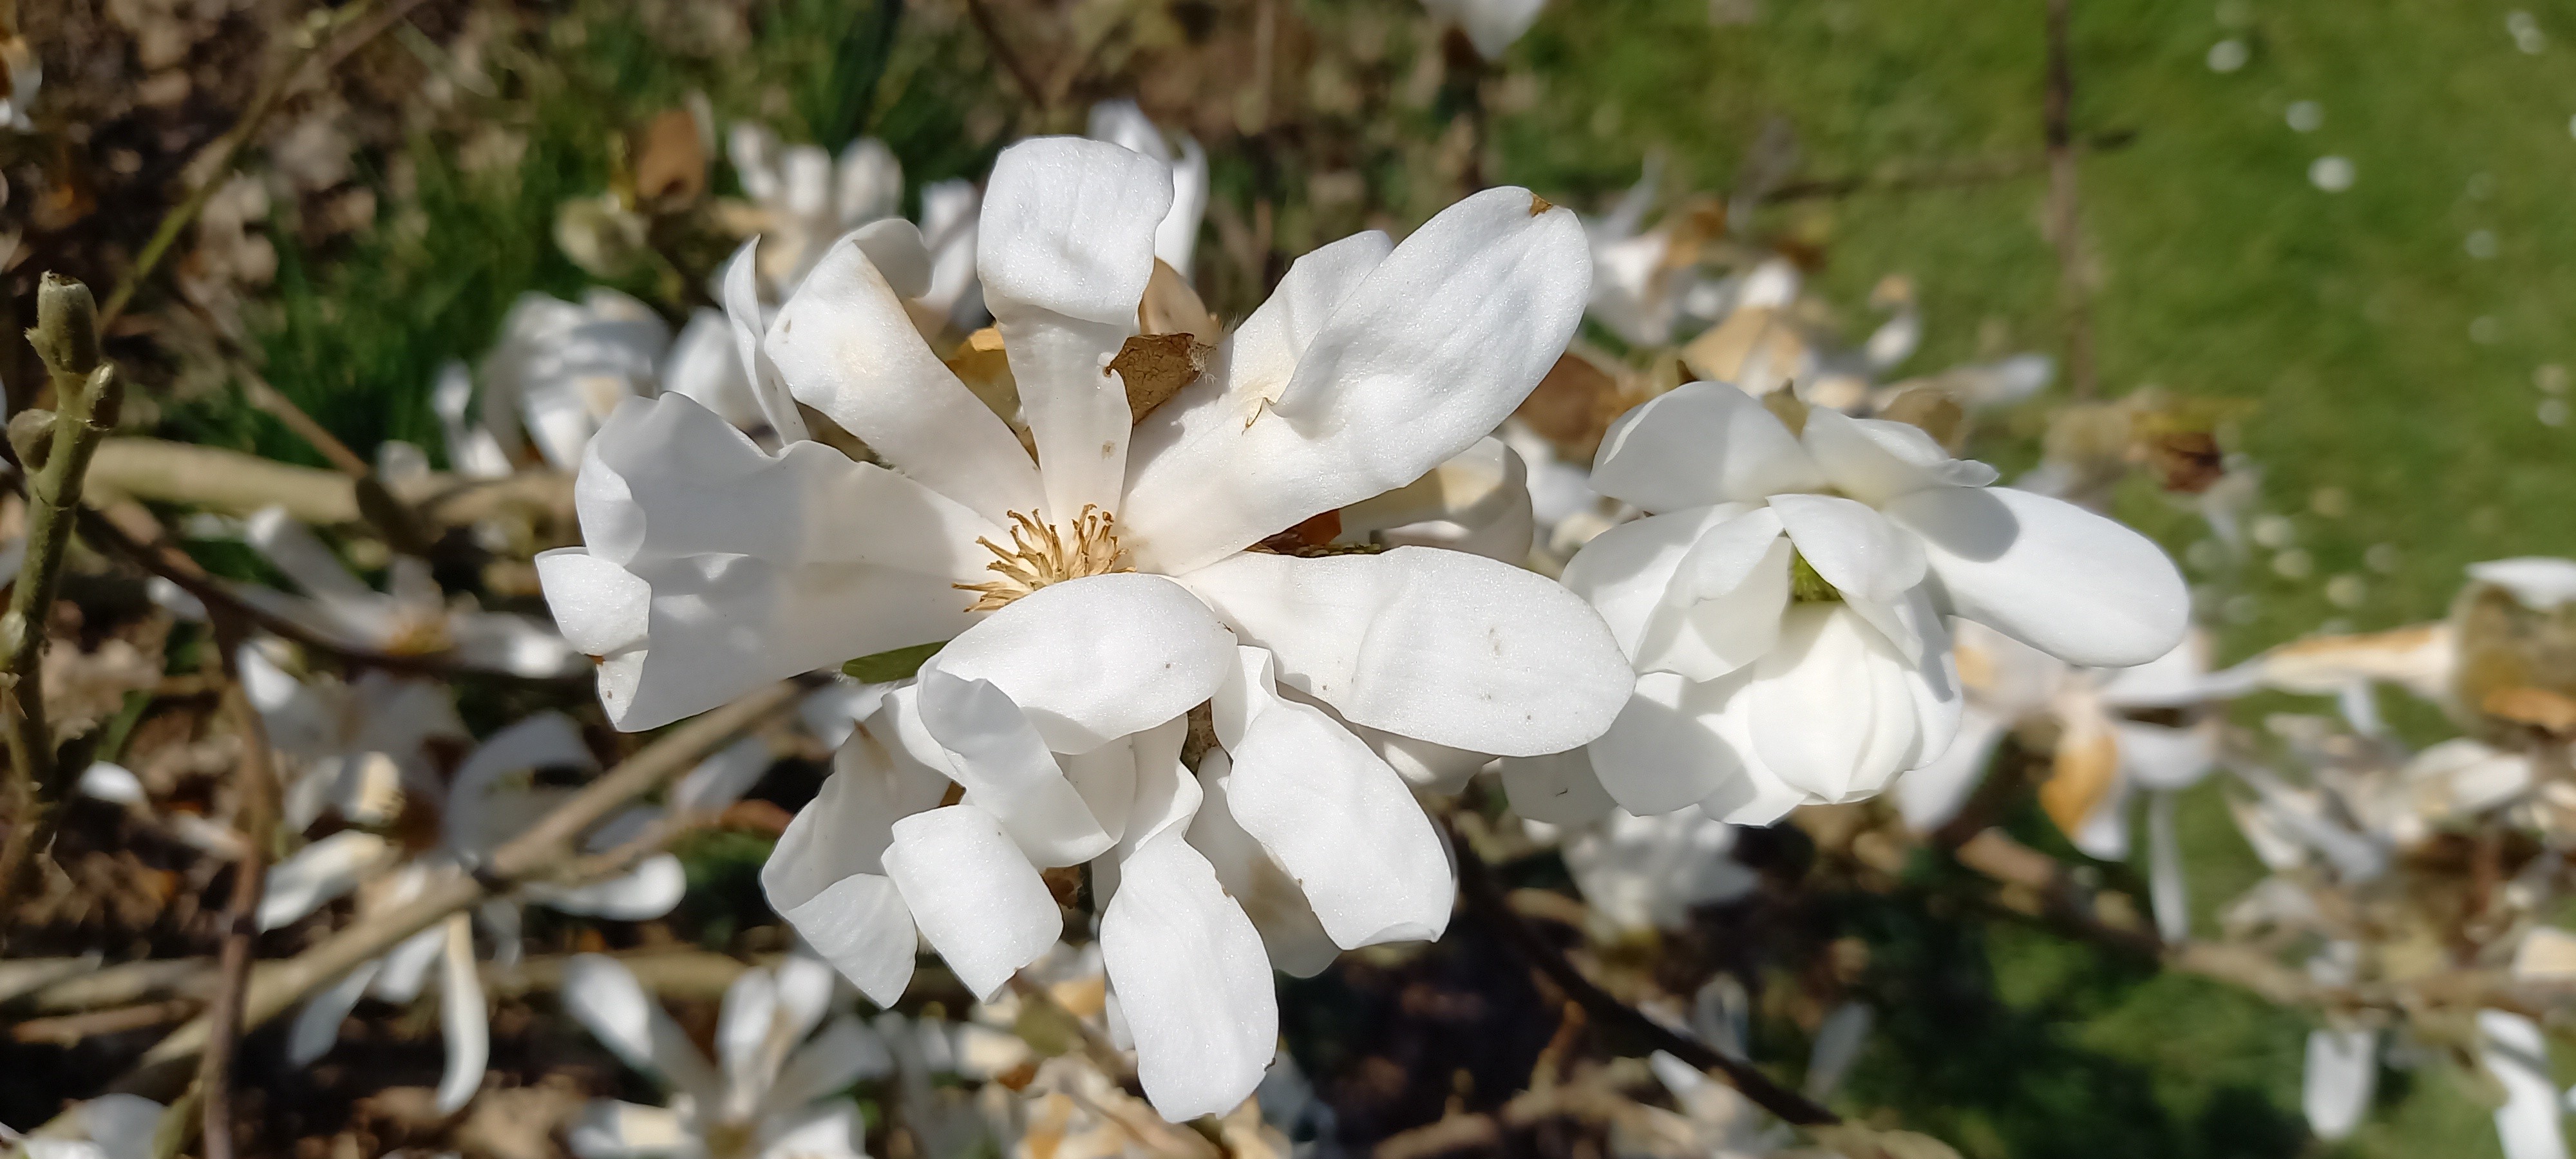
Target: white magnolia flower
[106,1127]
[1122,123]
[772,1090]
[558,371]
[806,198]
[2104,757]
[1784,604]
[1715,1121]
[1490,25]
[1643,873]
[2512,1048]
[413,615]
[359,747]
[1126,594]
[499,791]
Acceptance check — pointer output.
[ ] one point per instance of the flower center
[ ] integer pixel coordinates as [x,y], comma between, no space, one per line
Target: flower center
[1807,587]
[1041,553]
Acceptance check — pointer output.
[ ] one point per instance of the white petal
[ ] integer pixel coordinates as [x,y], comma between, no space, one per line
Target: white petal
[123,1126]
[823,1131]
[1723,609]
[1665,751]
[848,349]
[1438,645]
[1830,710]
[488,802]
[2168,891]
[1703,443]
[722,779]
[2514,1051]
[407,966]
[746,1020]
[1193,981]
[895,247]
[1625,571]
[603,995]
[651,889]
[867,182]
[1851,547]
[1875,460]
[1006,767]
[1341,823]
[320,872]
[317,1026]
[826,876]
[112,783]
[1166,795]
[976,897]
[1290,932]
[1428,352]
[1491,25]
[742,310]
[2050,574]
[846,1052]
[1091,660]
[467,1025]
[2342,1070]
[1929,796]
[1559,789]
[2157,757]
[704,364]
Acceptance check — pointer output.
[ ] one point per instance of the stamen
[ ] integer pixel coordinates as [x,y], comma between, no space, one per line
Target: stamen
[1041,554]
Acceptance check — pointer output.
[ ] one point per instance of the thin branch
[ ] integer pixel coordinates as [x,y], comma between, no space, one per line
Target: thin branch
[86,394]
[1485,897]
[256,818]
[153,982]
[2064,220]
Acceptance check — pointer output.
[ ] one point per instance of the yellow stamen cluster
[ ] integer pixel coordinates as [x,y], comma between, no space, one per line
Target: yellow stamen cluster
[1041,553]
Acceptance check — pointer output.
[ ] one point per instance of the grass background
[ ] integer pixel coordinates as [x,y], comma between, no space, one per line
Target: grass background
[2351,322]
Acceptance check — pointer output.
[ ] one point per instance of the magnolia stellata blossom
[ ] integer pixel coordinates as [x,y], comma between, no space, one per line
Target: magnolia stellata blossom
[2104,758]
[1122,594]
[558,370]
[413,615]
[782,1054]
[1490,25]
[496,793]
[1643,873]
[1784,604]
[805,200]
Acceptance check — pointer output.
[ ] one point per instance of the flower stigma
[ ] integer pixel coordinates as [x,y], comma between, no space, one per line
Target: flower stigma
[1041,554]
[1807,587]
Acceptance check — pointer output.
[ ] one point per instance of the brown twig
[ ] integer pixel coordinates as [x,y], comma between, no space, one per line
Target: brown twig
[1484,896]
[2064,221]
[190,982]
[256,818]
[71,1028]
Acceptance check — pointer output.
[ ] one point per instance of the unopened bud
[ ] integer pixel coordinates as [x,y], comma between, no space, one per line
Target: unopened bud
[31,432]
[66,333]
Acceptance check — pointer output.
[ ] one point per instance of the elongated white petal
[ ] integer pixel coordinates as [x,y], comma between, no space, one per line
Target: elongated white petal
[1625,571]
[2048,573]
[1341,823]
[1438,645]
[1723,609]
[1290,932]
[2168,891]
[603,995]
[2342,1071]
[742,310]
[1665,751]
[1559,789]
[844,1053]
[1166,796]
[651,889]
[1425,353]
[407,966]
[847,348]
[1703,443]
[704,364]
[974,894]
[320,872]
[1193,981]
[1929,796]
[997,754]
[462,1016]
[1875,460]
[122,1126]
[488,802]
[317,1026]
[747,1021]
[1851,546]
[1091,660]
[821,1131]
[827,877]
[722,779]
[2513,1050]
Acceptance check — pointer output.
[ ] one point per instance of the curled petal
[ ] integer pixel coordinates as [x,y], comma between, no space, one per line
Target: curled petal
[1193,982]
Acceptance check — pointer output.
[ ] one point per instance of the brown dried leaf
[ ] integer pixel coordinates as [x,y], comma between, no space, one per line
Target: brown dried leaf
[1157,366]
[2540,708]
[670,160]
[1573,406]
[1172,306]
[2087,765]
[1932,410]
